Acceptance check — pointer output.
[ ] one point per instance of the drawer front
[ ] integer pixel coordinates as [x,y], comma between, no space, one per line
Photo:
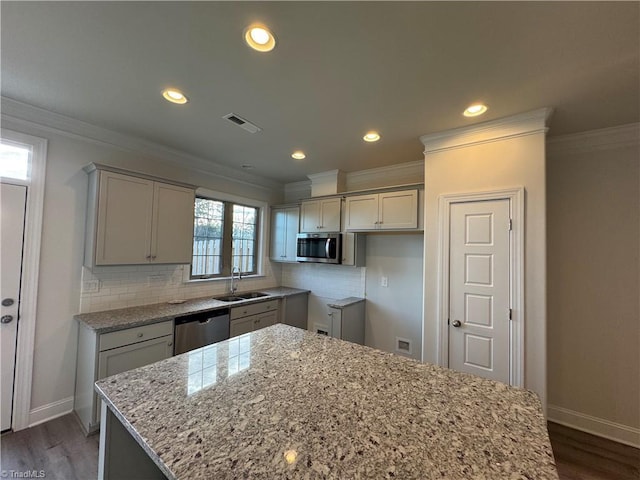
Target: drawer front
[254,309]
[135,335]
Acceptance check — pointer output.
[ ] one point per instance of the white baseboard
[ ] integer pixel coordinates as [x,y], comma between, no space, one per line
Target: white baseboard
[50,411]
[594,425]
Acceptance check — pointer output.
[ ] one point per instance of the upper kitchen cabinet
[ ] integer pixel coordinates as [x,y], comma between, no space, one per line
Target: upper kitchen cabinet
[320,215]
[396,210]
[134,220]
[284,228]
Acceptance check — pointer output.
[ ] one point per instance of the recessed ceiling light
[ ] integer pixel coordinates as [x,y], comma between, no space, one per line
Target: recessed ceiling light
[174,95]
[298,155]
[371,137]
[475,110]
[259,38]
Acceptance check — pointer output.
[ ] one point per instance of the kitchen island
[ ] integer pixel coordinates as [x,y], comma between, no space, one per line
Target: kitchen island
[282,402]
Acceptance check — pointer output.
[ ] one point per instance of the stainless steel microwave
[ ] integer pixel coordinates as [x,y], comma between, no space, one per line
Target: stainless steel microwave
[319,247]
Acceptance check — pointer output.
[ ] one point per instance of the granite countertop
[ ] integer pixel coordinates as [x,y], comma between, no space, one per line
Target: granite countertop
[282,402]
[118,319]
[345,302]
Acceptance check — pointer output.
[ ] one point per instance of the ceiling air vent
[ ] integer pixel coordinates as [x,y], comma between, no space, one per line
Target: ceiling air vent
[242,123]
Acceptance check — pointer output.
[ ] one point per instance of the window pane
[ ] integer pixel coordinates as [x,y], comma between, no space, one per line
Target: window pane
[207,237]
[14,161]
[244,238]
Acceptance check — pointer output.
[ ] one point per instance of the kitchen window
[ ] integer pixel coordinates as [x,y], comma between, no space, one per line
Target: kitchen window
[225,237]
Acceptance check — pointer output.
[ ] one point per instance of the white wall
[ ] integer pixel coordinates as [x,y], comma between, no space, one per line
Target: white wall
[395,310]
[401,263]
[503,163]
[593,216]
[63,246]
[326,282]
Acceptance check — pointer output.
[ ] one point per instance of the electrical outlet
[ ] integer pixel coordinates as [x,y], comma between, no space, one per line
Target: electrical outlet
[384,281]
[91,286]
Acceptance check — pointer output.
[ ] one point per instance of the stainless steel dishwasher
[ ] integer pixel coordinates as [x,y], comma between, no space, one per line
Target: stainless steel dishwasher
[200,329]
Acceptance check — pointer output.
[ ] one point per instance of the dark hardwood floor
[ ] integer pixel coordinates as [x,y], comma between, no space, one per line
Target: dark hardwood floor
[581,456]
[57,448]
[60,450]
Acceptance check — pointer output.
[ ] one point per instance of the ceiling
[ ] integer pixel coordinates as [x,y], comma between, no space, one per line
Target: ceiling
[339,69]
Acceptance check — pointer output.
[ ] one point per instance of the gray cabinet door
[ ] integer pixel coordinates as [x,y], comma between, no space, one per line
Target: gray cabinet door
[121,359]
[265,320]
[125,207]
[284,229]
[241,326]
[296,310]
[172,238]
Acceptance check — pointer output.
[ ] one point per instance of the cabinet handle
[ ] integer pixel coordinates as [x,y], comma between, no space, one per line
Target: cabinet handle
[140,335]
[153,257]
[148,257]
[169,344]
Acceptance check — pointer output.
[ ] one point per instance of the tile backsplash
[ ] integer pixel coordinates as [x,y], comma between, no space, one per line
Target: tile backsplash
[330,281]
[107,288]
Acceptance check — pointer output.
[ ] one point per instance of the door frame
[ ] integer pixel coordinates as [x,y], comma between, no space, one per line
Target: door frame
[516,197]
[29,279]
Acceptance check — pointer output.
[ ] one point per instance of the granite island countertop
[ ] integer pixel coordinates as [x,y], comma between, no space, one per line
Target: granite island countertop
[118,319]
[282,402]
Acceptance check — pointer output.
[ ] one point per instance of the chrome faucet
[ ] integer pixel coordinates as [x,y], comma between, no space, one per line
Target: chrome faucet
[234,280]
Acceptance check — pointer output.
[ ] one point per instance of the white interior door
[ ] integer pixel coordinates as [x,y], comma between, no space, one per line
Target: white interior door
[479,289]
[12,211]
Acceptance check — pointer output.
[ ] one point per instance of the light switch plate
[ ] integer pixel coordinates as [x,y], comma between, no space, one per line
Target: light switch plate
[384,281]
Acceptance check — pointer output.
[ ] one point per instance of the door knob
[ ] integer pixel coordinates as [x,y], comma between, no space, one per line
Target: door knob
[456,323]
[7,302]
[6,319]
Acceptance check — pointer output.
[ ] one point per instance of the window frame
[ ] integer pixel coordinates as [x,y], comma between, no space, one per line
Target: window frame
[227,260]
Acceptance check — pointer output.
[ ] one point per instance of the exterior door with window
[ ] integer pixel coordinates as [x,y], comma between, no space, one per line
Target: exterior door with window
[12,214]
[479,290]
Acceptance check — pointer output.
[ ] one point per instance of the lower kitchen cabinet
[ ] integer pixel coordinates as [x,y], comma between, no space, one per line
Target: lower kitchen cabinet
[252,317]
[345,320]
[106,354]
[128,357]
[295,310]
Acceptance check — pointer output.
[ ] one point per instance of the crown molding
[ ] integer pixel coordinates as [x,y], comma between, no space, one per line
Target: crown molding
[327,183]
[321,176]
[595,140]
[23,114]
[528,123]
[398,174]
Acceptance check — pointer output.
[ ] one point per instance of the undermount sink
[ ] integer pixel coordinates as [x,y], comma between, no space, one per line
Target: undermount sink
[238,297]
[250,295]
[230,298]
